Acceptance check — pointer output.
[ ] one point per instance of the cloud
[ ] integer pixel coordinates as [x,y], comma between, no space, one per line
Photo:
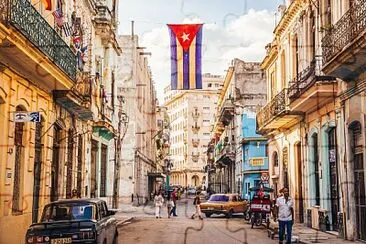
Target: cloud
[242,37]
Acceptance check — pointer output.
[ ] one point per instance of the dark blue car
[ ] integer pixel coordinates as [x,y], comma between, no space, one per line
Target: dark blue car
[75,221]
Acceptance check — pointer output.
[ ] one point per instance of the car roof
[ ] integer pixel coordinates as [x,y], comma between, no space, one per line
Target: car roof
[81,200]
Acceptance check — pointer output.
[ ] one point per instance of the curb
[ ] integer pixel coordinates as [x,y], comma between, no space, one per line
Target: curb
[121,222]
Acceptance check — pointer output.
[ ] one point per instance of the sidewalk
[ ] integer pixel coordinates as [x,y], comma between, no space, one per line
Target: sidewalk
[303,234]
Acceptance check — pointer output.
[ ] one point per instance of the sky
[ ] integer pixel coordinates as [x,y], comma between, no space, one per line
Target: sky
[232,29]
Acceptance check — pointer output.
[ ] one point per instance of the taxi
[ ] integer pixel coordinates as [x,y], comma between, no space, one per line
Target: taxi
[227,204]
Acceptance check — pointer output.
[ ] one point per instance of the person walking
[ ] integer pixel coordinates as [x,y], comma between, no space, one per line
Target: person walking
[285,213]
[158,200]
[174,199]
[196,203]
[169,205]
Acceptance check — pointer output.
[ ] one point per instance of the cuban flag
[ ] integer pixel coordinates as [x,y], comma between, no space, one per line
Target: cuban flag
[186,52]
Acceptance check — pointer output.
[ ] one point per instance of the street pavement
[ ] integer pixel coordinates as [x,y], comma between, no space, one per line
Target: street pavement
[139,225]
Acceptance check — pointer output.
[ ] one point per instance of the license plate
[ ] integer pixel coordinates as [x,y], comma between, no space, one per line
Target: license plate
[61,241]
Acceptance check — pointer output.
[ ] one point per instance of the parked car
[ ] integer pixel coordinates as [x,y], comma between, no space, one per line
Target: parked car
[227,204]
[191,191]
[75,221]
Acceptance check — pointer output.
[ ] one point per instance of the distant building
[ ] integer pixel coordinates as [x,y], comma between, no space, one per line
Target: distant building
[255,159]
[244,90]
[191,119]
[136,86]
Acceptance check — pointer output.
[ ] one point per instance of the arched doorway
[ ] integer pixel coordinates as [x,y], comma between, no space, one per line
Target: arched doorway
[195,180]
[355,131]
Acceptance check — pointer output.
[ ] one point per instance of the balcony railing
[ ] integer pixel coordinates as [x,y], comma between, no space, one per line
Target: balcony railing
[274,108]
[302,81]
[27,20]
[345,31]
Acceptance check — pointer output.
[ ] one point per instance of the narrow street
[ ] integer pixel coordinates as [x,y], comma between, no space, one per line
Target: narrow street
[145,228]
[185,230]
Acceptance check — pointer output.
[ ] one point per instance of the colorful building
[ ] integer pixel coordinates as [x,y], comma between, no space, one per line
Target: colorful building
[255,160]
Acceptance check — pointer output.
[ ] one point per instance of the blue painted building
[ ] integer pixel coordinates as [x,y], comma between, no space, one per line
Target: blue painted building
[255,160]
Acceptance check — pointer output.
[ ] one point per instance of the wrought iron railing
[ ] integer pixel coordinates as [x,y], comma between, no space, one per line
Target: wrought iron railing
[302,81]
[348,27]
[24,17]
[274,108]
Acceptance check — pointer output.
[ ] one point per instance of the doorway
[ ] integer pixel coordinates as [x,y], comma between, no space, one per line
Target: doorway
[93,169]
[55,163]
[38,148]
[299,195]
[332,155]
[359,176]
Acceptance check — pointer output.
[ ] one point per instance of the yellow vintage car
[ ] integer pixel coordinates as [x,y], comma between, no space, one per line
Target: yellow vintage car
[227,204]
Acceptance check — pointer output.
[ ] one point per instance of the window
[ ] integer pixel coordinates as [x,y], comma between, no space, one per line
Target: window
[206,134]
[70,159]
[206,121]
[103,171]
[209,85]
[206,108]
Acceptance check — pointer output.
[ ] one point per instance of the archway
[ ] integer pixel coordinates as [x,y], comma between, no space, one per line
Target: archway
[195,180]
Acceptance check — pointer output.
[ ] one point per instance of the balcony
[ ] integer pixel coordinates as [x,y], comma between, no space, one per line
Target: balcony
[103,126]
[78,100]
[311,90]
[30,45]
[343,46]
[277,114]
[195,157]
[226,112]
[195,129]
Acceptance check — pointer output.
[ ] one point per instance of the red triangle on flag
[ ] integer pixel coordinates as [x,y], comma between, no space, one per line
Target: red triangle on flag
[185,33]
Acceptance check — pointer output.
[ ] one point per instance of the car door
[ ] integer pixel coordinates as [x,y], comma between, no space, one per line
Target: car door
[103,234]
[110,224]
[241,204]
[235,203]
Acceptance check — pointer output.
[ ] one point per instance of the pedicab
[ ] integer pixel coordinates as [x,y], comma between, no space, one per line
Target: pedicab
[260,206]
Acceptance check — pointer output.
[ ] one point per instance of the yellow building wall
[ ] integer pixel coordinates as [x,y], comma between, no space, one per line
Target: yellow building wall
[15,91]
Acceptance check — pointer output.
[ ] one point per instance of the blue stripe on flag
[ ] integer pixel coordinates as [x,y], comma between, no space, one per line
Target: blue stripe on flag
[186,70]
[173,59]
[198,59]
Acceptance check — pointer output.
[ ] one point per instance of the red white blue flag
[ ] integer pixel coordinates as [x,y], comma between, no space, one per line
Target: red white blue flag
[186,52]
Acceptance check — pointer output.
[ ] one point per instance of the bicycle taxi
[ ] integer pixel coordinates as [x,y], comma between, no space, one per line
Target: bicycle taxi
[260,205]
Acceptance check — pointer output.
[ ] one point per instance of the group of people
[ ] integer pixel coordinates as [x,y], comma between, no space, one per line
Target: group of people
[170,202]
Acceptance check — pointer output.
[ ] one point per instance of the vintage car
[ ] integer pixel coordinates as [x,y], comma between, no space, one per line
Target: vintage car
[227,204]
[75,221]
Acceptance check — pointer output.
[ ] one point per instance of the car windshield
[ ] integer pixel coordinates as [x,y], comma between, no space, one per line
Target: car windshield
[68,211]
[219,198]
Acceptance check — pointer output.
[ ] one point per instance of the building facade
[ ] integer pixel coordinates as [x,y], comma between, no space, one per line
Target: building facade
[314,115]
[243,91]
[191,120]
[44,70]
[135,84]
[255,159]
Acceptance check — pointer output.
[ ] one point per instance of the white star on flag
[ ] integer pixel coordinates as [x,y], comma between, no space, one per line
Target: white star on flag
[185,37]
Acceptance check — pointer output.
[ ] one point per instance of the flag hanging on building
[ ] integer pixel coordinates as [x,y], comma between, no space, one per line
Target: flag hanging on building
[59,19]
[186,52]
[47,4]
